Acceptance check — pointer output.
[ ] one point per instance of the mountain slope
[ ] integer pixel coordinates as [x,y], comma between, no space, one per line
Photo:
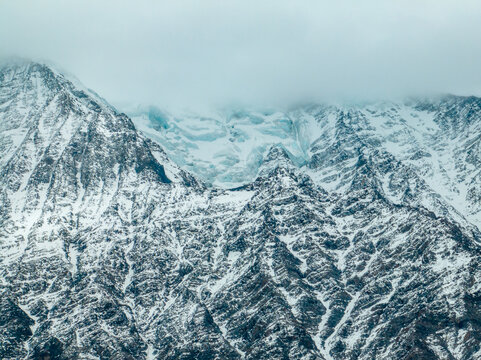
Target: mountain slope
[111,251]
[437,138]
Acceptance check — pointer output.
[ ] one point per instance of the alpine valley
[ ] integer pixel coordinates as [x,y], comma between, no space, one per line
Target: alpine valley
[319,232]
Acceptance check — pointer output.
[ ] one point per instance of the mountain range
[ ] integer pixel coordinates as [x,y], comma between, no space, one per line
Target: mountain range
[320,232]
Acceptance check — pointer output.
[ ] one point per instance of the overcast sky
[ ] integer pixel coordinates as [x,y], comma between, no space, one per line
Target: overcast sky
[183,53]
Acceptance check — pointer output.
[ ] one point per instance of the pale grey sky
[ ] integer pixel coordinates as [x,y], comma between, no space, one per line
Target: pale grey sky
[188,52]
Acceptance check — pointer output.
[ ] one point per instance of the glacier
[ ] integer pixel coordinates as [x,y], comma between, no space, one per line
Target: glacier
[223,148]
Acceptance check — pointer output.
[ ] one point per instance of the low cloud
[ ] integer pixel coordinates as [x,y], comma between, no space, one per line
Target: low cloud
[186,53]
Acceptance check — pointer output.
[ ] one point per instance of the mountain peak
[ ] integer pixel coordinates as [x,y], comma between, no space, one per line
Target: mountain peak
[48,116]
[277,153]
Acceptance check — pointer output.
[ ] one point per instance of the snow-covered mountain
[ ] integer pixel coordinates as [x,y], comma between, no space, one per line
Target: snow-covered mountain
[438,138]
[354,233]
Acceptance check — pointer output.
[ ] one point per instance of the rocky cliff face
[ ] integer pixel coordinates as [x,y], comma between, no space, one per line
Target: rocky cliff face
[369,249]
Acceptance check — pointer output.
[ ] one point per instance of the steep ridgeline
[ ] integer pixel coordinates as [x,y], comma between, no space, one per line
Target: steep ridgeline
[110,251]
